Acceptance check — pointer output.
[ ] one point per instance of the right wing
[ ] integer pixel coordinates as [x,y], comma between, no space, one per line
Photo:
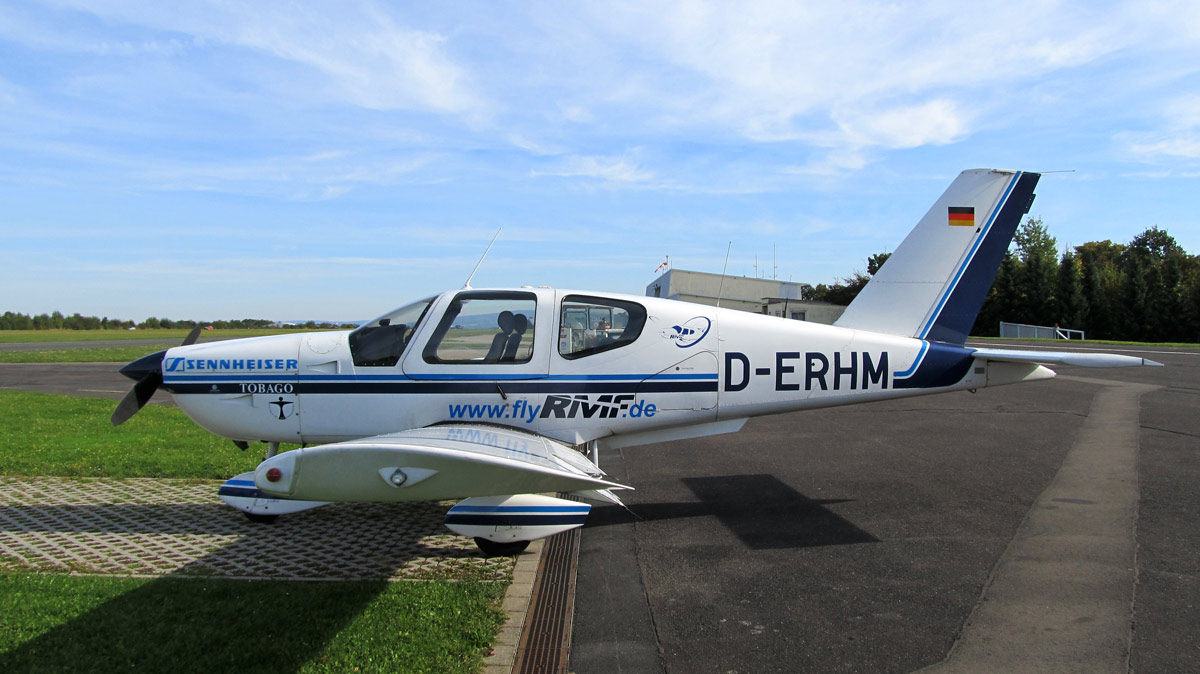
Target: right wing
[433,463]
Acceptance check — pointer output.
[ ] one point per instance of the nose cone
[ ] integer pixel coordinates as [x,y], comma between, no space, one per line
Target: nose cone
[143,366]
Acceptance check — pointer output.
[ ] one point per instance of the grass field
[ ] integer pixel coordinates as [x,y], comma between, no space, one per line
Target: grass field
[47,434]
[15,336]
[59,623]
[53,623]
[99,354]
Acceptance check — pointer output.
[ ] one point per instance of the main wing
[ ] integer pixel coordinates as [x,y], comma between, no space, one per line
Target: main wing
[433,463]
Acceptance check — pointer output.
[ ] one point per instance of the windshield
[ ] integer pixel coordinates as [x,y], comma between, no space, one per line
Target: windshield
[380,342]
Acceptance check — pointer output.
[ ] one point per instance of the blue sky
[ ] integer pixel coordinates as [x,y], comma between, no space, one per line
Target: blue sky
[334,160]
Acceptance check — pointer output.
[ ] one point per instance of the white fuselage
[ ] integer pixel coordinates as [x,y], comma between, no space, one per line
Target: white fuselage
[690,364]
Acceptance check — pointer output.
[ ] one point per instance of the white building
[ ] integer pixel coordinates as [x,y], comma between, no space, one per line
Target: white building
[756,295]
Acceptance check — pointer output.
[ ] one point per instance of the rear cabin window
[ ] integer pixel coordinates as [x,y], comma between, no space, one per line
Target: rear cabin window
[485,328]
[591,325]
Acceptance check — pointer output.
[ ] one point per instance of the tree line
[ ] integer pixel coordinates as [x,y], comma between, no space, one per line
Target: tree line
[1147,290]
[57,321]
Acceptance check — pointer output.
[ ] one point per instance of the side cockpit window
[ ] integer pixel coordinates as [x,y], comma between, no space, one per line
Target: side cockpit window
[591,325]
[380,342]
[485,327]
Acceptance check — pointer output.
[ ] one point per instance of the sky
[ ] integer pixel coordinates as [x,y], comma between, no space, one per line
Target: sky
[297,160]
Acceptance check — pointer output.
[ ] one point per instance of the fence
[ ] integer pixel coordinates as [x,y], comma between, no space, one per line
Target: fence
[1023,331]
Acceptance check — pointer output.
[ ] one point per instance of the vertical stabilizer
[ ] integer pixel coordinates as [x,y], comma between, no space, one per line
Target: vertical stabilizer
[934,284]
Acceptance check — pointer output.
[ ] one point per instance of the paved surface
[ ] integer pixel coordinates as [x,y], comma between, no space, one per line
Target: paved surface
[1040,527]
[81,379]
[142,527]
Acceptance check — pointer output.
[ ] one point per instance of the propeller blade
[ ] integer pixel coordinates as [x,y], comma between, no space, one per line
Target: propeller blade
[192,337]
[147,372]
[137,398]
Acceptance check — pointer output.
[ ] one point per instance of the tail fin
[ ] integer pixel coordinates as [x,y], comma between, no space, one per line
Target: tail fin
[934,284]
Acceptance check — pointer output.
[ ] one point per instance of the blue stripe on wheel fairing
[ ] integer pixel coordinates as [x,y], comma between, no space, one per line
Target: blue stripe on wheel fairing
[516,520]
[518,509]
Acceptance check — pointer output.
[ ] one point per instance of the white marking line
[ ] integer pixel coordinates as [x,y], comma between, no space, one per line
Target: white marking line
[1071,346]
[1060,598]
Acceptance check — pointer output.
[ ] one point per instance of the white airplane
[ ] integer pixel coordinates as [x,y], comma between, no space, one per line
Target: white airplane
[495,396]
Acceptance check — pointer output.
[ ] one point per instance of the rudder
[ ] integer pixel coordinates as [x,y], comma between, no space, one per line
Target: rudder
[933,286]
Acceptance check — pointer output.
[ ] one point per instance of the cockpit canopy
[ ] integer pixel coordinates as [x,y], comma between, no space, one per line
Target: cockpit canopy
[381,341]
[497,327]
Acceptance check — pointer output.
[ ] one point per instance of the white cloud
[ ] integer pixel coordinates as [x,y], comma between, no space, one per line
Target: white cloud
[936,122]
[609,169]
[367,58]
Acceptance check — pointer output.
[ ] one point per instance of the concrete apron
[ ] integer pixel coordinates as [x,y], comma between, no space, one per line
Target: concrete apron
[1061,597]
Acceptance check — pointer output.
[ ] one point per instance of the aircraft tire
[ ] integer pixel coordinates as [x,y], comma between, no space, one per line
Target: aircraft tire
[494,549]
[260,519]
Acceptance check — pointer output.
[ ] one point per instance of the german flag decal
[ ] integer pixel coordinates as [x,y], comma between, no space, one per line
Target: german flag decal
[962,216]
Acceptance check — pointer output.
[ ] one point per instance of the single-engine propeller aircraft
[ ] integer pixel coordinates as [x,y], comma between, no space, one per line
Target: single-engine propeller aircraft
[495,396]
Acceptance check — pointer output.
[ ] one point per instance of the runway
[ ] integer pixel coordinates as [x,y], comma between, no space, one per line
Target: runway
[985,532]
[960,532]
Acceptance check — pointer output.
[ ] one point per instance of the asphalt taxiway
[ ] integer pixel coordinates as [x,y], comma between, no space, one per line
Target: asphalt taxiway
[1041,527]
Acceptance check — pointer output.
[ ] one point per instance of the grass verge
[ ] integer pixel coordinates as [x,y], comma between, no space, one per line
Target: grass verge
[15,336]
[98,354]
[52,623]
[48,434]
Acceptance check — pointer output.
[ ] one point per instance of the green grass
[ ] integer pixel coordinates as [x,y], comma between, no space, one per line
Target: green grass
[59,623]
[14,336]
[51,623]
[100,354]
[47,434]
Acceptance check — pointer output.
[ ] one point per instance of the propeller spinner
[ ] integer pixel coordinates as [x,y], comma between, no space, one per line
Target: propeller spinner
[147,372]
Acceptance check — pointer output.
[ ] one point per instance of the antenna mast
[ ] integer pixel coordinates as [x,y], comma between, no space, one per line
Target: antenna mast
[467,285]
[721,288]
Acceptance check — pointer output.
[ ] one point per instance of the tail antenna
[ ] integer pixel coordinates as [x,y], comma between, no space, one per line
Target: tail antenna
[467,285]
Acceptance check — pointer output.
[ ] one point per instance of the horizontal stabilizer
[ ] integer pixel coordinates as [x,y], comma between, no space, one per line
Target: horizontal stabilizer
[1078,358]
[438,462]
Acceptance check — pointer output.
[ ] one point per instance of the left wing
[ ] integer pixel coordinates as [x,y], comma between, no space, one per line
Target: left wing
[1081,359]
[433,463]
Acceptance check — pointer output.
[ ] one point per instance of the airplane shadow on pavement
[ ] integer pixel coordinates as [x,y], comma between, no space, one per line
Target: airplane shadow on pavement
[762,511]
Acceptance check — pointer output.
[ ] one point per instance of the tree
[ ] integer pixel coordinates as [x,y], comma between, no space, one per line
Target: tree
[1156,242]
[876,261]
[1098,320]
[1133,321]
[845,290]
[1036,250]
[1069,294]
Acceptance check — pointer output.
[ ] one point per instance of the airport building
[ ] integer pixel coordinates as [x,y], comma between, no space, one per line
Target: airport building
[756,295]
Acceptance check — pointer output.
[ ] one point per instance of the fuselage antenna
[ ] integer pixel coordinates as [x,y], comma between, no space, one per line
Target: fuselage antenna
[721,287]
[467,285]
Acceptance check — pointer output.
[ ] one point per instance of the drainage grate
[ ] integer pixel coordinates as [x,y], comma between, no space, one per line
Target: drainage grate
[546,639]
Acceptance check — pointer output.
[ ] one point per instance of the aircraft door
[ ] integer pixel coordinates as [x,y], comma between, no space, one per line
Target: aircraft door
[483,339]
